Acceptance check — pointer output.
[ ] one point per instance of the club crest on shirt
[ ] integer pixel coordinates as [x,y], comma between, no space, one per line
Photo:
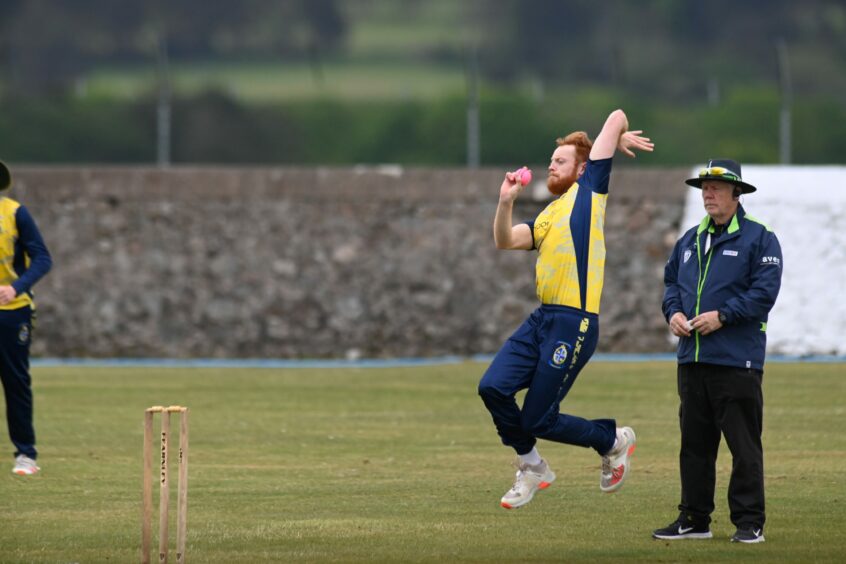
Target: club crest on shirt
[687,254]
[23,334]
[560,355]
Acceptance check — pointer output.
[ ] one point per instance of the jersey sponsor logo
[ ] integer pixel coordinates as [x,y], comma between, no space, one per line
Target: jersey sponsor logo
[730,253]
[771,260]
[687,254]
[560,355]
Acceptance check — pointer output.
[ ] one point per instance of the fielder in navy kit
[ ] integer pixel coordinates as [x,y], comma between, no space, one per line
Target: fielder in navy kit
[24,259]
[721,282]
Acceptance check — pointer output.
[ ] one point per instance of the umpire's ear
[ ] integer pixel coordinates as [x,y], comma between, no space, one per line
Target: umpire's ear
[5,176]
[736,192]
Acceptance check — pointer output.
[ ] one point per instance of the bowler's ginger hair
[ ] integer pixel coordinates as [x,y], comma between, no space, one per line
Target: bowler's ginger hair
[580,141]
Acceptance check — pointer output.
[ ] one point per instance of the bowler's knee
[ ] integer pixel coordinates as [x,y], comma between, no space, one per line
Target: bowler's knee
[534,425]
[488,391]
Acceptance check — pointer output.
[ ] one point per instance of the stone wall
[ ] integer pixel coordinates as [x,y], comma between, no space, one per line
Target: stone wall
[317,262]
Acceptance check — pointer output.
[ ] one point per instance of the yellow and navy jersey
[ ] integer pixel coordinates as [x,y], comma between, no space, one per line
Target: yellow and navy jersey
[24,257]
[570,238]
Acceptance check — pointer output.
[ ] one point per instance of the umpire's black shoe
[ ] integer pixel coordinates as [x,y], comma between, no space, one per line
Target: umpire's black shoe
[749,535]
[683,529]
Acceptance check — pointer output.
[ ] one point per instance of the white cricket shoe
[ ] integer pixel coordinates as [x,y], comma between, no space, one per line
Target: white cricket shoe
[25,466]
[616,463]
[529,480]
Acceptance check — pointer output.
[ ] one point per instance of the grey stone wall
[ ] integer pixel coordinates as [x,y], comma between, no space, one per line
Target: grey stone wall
[317,262]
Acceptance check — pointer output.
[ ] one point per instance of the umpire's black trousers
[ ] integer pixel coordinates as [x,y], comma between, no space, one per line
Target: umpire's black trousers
[721,399]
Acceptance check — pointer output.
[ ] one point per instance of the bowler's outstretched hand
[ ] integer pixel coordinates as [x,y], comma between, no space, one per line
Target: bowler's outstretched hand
[634,140]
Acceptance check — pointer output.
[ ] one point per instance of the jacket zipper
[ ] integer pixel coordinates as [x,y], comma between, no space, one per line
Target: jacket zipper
[699,286]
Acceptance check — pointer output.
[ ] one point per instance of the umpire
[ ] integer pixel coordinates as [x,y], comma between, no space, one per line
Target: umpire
[721,281]
[24,259]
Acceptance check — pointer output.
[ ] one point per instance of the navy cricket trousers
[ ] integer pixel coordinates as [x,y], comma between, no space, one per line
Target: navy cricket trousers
[15,336]
[544,356]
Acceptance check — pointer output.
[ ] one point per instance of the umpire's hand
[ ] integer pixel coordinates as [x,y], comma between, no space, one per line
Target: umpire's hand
[707,322]
[679,325]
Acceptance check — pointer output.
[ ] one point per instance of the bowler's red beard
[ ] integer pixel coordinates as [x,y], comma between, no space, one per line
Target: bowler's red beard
[557,185]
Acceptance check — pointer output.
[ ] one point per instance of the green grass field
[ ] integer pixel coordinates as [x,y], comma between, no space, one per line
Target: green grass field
[387,56]
[272,82]
[403,464]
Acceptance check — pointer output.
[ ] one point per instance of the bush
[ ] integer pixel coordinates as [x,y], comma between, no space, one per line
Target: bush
[211,127]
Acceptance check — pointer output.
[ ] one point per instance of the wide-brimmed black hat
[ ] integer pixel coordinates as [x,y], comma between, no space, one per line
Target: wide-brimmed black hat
[726,170]
[5,176]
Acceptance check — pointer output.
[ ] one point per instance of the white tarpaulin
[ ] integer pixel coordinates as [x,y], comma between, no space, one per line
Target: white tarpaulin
[806,207]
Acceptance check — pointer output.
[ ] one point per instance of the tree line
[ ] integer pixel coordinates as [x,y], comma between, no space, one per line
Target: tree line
[212,128]
[685,68]
[666,46]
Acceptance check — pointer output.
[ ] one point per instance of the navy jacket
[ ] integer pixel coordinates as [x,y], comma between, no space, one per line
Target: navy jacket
[739,275]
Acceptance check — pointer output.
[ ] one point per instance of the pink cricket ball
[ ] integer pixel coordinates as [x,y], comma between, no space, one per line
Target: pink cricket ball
[523,175]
